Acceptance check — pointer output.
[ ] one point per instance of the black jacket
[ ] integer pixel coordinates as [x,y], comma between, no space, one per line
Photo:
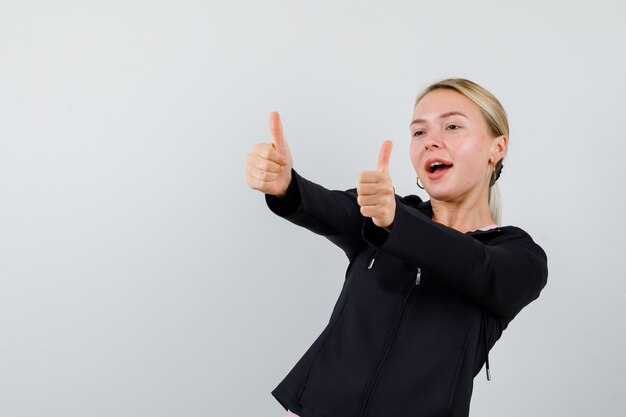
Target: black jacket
[420,307]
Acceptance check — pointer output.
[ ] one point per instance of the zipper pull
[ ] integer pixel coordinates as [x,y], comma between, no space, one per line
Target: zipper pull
[371,263]
[418,277]
[373,259]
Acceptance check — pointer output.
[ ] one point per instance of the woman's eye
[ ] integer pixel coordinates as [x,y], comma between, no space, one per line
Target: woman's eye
[454,127]
[418,133]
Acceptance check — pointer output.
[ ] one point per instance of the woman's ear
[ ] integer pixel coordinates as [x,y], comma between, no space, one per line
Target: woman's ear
[498,151]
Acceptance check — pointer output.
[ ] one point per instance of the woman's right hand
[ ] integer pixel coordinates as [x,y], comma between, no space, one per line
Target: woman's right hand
[268,167]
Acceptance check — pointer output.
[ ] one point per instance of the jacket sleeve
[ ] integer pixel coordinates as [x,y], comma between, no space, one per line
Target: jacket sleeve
[503,277]
[333,214]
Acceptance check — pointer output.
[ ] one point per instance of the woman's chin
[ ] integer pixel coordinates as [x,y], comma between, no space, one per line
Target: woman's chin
[438,192]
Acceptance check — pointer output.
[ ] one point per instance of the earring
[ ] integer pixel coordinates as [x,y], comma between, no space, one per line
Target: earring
[497,171]
[418,183]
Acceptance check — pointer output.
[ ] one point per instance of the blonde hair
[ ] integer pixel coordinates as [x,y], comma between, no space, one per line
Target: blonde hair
[496,119]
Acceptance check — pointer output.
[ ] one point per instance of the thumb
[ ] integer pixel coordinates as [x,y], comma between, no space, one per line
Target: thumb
[276,129]
[384,155]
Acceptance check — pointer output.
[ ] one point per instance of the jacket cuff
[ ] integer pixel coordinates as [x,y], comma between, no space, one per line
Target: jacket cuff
[375,235]
[290,203]
[384,239]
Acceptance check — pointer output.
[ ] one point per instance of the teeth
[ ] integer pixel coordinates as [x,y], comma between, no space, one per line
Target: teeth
[432,167]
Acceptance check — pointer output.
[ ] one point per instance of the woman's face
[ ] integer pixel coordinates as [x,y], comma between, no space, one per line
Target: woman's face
[452,150]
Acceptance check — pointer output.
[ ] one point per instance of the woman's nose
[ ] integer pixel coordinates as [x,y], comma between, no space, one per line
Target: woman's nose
[432,140]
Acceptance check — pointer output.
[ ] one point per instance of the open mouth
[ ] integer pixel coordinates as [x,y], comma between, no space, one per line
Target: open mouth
[437,166]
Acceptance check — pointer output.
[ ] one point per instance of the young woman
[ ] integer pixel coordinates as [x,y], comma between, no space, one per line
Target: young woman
[430,285]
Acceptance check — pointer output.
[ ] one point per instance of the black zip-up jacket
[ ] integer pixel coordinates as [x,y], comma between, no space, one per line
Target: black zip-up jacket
[420,307]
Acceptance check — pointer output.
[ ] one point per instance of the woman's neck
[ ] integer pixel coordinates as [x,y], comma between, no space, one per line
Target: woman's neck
[464,217]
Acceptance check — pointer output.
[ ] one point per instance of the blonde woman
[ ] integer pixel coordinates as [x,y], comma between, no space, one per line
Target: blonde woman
[430,286]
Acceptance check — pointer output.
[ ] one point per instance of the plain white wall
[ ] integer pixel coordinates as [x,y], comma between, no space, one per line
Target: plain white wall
[139,276]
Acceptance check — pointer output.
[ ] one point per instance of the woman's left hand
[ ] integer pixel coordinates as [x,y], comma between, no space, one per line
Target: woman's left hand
[375,191]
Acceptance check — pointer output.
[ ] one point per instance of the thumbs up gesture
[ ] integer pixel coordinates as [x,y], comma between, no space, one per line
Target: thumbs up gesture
[375,191]
[268,167]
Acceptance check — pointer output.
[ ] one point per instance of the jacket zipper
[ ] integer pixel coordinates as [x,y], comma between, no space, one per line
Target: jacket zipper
[371,386]
[483,327]
[371,264]
[418,276]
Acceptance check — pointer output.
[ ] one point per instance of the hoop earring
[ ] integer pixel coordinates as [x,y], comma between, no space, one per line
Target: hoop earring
[418,183]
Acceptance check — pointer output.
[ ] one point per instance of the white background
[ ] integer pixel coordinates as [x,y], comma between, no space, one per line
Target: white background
[139,276]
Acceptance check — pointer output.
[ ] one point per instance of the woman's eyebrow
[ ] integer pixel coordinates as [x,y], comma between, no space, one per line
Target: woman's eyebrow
[443,116]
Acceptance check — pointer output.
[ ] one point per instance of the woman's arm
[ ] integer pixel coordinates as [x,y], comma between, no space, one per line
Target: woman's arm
[332,214]
[503,276]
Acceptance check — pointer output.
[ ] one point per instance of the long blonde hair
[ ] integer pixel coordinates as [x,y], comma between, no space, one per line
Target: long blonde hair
[496,119]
